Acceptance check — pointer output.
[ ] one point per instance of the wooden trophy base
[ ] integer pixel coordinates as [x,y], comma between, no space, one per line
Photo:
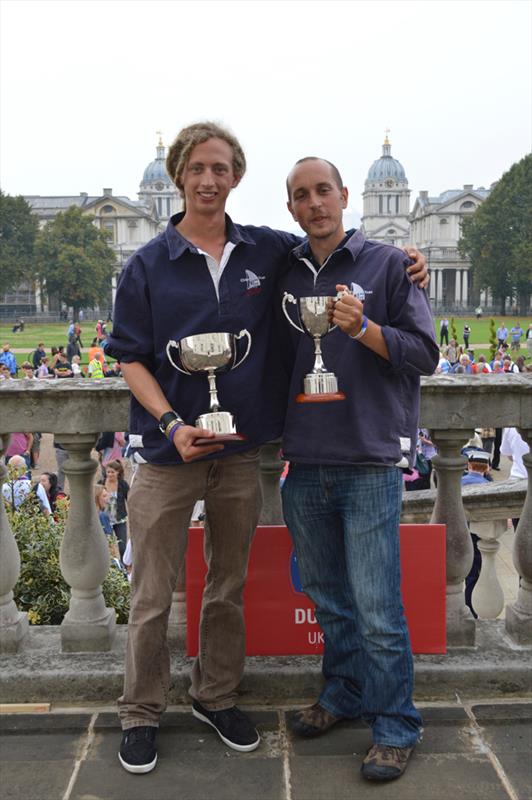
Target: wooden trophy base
[327,397]
[219,437]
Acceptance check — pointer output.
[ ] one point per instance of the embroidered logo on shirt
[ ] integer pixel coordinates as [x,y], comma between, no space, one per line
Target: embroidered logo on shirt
[252,282]
[358,292]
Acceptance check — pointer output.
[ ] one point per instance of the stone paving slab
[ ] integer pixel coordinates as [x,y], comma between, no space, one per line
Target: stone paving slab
[204,776]
[32,723]
[427,778]
[24,780]
[470,751]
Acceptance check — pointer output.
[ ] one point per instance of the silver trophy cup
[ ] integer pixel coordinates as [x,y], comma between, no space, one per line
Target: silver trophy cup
[319,385]
[211,353]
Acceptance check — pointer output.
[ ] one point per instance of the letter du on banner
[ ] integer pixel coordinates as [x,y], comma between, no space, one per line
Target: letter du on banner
[281,620]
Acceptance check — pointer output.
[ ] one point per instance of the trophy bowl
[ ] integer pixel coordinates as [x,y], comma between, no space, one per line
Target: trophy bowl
[320,385]
[211,353]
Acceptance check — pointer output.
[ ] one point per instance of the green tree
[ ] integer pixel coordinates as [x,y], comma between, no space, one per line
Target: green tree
[18,229]
[494,344]
[454,332]
[498,238]
[74,260]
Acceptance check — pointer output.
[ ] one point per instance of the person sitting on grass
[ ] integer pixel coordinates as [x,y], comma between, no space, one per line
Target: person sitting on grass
[63,368]
[27,371]
[43,370]
[76,367]
[38,354]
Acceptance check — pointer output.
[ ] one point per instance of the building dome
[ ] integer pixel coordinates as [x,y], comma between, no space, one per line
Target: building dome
[156,172]
[386,167]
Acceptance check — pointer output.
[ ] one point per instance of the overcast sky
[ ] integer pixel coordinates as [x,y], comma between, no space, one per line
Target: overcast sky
[86,85]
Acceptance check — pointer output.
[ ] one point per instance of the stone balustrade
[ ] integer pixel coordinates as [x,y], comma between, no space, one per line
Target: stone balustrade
[451,407]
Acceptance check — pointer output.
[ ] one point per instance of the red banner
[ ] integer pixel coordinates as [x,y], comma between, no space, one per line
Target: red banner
[280,618]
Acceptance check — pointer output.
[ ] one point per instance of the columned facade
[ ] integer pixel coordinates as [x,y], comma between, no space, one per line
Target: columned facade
[435,230]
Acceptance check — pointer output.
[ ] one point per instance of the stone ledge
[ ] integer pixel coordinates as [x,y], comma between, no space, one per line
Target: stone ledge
[496,667]
[490,501]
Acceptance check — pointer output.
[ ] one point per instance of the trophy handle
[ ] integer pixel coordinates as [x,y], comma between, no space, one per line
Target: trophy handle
[338,296]
[170,344]
[242,333]
[289,298]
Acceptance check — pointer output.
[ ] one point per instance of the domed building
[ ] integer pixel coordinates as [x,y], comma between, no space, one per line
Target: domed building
[386,199]
[157,187]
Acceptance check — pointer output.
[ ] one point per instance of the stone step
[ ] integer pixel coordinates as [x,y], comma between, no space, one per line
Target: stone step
[40,673]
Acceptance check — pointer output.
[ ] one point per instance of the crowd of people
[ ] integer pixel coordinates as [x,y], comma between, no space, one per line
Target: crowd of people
[22,492]
[63,361]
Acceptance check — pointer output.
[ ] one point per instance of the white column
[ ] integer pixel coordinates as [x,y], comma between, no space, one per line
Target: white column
[433,284]
[439,286]
[519,615]
[488,597]
[113,287]
[449,510]
[13,623]
[457,286]
[84,555]
[465,294]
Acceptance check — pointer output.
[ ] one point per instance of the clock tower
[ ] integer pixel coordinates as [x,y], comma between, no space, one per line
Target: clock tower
[386,200]
[156,187]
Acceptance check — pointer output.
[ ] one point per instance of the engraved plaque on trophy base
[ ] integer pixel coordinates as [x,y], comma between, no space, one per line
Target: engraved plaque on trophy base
[320,387]
[222,424]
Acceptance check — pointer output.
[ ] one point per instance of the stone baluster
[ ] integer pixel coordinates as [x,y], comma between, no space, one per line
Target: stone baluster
[519,615]
[13,623]
[271,468]
[449,510]
[488,597]
[84,555]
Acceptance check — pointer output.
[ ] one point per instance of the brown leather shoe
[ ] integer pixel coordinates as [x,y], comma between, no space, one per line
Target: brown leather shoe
[385,763]
[313,721]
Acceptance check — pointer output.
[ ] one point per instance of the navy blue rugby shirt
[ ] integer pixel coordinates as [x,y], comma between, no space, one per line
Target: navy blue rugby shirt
[377,422]
[165,293]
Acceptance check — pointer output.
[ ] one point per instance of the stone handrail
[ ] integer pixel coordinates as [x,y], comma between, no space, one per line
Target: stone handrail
[77,410]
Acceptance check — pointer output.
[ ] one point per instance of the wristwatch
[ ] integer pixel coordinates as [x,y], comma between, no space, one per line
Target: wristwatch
[170,419]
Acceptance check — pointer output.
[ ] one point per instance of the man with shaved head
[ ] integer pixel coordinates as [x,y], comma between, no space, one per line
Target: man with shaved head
[342,494]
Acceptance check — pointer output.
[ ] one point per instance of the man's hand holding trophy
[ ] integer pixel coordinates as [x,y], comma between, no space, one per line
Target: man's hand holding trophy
[211,353]
[318,316]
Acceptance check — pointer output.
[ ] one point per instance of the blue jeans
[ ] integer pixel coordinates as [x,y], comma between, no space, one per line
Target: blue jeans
[345,525]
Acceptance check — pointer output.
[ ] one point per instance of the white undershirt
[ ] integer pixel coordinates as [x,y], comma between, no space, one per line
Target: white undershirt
[216,269]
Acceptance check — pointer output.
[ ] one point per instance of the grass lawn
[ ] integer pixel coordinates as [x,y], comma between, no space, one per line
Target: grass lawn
[480,333]
[55,334]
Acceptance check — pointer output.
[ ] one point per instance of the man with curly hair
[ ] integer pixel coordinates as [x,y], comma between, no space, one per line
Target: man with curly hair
[204,274]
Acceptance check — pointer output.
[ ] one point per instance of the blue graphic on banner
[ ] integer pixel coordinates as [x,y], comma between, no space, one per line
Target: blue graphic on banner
[294,573]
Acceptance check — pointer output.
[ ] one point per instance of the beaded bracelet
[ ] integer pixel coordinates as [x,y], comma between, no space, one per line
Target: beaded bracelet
[171,429]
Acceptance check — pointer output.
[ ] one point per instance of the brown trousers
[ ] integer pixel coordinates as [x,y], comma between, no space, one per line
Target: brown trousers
[160,504]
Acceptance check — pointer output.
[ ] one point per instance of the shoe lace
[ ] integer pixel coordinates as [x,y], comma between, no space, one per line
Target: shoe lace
[388,752]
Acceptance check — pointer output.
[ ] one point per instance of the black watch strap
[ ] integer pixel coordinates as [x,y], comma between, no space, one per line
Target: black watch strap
[167,418]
